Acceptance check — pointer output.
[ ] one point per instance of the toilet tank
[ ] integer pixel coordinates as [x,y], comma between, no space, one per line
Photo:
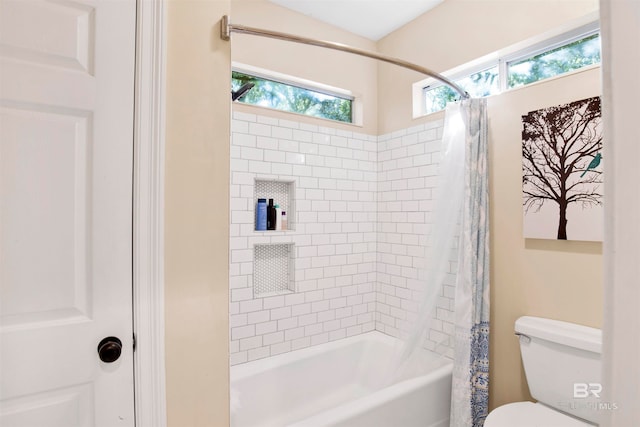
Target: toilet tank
[562,365]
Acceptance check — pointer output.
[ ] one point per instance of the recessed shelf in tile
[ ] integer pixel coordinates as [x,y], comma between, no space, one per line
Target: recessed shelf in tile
[282,193]
[273,269]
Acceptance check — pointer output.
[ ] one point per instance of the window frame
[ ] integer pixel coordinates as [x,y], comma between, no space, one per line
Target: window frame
[297,82]
[544,47]
[546,42]
[434,84]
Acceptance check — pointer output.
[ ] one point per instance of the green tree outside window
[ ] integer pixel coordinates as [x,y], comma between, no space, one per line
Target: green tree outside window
[483,83]
[285,97]
[569,57]
[558,61]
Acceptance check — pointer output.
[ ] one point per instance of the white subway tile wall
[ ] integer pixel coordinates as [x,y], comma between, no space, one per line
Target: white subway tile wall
[407,178]
[334,240]
[362,206]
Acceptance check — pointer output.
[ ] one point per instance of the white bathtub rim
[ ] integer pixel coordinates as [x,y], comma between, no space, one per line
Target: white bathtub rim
[377,398]
[245,370]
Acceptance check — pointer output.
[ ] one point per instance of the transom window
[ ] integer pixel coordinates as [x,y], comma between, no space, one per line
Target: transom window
[553,62]
[561,54]
[286,96]
[480,84]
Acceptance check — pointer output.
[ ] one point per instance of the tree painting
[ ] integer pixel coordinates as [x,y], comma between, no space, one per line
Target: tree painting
[561,163]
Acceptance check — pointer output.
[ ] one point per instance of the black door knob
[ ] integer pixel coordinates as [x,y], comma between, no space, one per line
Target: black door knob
[109,349]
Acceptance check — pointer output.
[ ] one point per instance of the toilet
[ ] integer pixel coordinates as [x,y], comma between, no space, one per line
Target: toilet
[562,366]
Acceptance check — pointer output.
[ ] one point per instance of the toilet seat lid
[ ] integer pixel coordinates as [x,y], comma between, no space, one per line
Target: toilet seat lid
[529,414]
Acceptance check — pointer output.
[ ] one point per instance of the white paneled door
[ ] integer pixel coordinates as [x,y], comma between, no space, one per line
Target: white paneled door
[66,144]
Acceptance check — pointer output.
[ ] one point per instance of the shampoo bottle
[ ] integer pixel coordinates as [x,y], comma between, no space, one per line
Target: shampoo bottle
[261,215]
[283,221]
[278,217]
[271,216]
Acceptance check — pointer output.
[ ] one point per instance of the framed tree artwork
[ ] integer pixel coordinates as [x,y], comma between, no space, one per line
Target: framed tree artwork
[562,172]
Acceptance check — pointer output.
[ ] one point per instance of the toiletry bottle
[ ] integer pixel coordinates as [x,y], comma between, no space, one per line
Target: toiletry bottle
[261,215]
[271,216]
[283,221]
[278,217]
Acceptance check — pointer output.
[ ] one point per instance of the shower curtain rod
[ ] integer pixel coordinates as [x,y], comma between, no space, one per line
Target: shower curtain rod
[226,28]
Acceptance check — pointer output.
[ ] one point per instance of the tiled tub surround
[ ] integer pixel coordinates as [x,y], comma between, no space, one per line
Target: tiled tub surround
[362,207]
[334,241]
[407,179]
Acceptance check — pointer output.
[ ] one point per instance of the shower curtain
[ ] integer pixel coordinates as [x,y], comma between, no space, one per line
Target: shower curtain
[470,388]
[449,198]
[461,214]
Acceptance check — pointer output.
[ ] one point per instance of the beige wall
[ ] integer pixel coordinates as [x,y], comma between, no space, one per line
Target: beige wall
[330,67]
[546,278]
[197,215]
[456,32]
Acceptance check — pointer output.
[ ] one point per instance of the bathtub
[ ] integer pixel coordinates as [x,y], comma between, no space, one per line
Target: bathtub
[340,384]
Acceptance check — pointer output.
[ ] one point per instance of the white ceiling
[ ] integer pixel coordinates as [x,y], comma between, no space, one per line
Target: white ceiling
[372,19]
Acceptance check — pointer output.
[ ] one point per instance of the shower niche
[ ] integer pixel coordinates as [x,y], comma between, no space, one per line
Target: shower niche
[273,272]
[282,193]
[273,263]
